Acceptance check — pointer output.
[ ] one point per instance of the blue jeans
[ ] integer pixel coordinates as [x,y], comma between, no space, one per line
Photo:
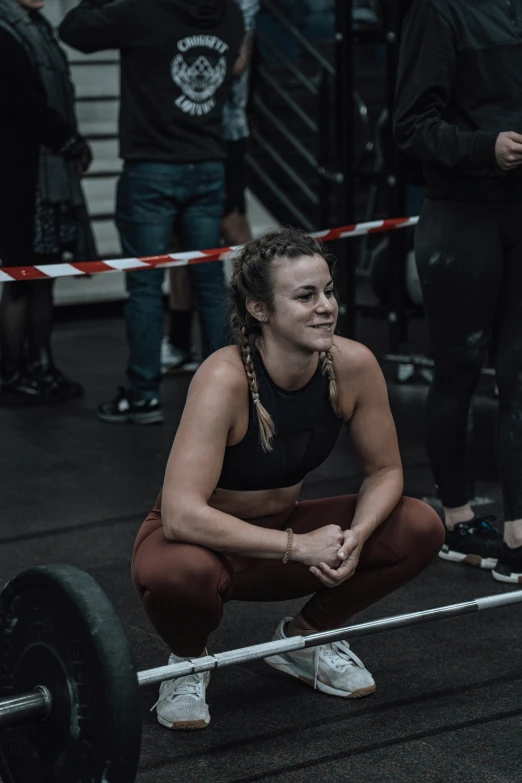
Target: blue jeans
[154,200]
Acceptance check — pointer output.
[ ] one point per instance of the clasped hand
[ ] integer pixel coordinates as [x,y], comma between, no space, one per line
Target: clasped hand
[332,554]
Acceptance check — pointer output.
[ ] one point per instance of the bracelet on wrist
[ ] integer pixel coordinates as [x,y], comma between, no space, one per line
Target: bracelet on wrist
[289,543]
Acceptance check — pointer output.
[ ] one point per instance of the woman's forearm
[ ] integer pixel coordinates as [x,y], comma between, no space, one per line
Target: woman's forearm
[378,497]
[222,532]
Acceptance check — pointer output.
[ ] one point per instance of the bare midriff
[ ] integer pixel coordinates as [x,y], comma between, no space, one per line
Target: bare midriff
[255,504]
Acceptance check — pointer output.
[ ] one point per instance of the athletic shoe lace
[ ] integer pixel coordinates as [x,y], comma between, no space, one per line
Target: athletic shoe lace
[183,686]
[338,655]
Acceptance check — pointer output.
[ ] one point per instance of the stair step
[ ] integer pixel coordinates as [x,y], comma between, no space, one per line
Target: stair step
[107,239]
[96,79]
[76,58]
[105,149]
[106,129]
[105,167]
[98,288]
[97,112]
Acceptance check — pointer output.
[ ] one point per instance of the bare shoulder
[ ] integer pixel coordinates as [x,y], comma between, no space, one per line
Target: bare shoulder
[358,374]
[353,359]
[221,376]
[217,395]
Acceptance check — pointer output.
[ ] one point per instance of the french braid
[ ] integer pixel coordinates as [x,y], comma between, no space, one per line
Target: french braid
[266,424]
[327,368]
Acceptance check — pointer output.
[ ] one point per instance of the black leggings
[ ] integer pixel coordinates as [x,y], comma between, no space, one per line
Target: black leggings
[469,257]
[26,321]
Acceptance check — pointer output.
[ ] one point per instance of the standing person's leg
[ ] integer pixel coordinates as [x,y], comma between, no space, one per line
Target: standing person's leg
[145,214]
[13,327]
[508,358]
[14,306]
[26,316]
[41,314]
[459,256]
[40,323]
[177,352]
[235,228]
[200,227]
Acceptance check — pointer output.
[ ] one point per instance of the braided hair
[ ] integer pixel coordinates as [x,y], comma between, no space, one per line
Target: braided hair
[252,278]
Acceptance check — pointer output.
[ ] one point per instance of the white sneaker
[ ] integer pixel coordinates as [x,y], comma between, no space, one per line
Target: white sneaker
[182,704]
[331,668]
[176,361]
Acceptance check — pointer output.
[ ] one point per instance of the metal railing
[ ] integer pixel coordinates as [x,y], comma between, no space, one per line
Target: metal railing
[287,125]
[294,105]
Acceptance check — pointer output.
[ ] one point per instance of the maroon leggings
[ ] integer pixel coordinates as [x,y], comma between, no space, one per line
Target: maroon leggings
[183,587]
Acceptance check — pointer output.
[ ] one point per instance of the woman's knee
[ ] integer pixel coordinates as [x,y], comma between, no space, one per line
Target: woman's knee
[420,529]
[177,572]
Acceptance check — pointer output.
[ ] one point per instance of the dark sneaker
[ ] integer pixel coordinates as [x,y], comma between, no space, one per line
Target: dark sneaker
[509,565]
[61,385]
[475,543]
[125,410]
[57,386]
[23,386]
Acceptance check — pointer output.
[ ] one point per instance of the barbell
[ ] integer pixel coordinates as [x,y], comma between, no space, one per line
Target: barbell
[70,709]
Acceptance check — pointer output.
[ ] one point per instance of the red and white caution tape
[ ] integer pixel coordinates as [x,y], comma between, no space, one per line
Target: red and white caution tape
[45,271]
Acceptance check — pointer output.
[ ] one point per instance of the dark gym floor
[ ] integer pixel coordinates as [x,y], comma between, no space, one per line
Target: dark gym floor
[449,694]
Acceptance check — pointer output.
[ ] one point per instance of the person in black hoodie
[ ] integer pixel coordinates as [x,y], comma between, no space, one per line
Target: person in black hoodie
[42,208]
[459,110]
[177,60]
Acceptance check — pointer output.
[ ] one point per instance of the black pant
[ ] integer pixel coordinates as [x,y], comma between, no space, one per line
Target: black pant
[235,177]
[469,257]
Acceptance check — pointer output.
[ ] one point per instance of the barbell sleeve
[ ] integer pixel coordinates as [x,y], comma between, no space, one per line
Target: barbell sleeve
[35,705]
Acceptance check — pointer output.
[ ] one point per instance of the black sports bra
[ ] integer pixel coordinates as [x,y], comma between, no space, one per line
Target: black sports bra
[306,429]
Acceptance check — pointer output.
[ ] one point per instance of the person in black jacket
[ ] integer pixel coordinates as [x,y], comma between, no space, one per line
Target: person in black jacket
[459,110]
[177,60]
[42,211]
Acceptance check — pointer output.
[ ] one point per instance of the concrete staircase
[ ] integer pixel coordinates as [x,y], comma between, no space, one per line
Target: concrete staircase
[96,78]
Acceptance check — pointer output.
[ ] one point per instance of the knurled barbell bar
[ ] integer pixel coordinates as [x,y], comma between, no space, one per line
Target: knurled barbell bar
[71,709]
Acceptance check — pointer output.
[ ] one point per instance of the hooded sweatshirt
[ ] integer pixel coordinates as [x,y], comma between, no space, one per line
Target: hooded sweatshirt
[459,86]
[177,58]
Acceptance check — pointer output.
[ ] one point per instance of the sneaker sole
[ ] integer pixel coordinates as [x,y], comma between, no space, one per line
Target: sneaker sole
[133,418]
[477,561]
[282,665]
[507,578]
[184,725]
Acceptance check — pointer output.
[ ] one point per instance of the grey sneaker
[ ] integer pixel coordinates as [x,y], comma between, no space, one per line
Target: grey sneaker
[175,361]
[182,702]
[331,668]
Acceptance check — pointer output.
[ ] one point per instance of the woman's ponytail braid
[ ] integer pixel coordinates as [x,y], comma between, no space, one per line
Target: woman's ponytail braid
[327,368]
[266,424]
